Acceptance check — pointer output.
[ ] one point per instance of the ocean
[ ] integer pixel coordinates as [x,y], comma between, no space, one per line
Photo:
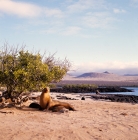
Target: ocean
[135,91]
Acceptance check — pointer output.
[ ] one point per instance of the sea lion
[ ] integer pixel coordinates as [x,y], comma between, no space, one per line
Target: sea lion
[57,104]
[47,103]
[58,108]
[45,98]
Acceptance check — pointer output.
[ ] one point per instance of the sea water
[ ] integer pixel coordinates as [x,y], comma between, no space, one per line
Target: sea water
[134,89]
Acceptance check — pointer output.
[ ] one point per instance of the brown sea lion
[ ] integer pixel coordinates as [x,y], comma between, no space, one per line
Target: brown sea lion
[47,103]
[58,108]
[45,98]
[57,104]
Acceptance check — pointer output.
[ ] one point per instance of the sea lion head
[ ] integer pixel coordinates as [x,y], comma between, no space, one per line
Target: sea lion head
[46,90]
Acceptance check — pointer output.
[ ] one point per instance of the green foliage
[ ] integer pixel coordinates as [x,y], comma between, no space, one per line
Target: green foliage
[80,86]
[22,70]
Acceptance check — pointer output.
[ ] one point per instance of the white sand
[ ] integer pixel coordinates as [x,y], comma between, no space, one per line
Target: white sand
[93,120]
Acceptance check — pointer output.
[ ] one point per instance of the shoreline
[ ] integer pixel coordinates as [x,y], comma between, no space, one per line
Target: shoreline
[121,98]
[102,120]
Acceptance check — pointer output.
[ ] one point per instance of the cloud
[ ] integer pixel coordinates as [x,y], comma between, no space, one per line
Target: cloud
[79,6]
[97,20]
[113,67]
[49,31]
[71,30]
[27,10]
[117,11]
[134,3]
[53,12]
[85,4]
[19,8]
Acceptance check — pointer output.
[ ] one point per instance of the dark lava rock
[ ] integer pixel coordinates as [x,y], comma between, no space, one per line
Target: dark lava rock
[83,98]
[90,90]
[113,89]
[116,98]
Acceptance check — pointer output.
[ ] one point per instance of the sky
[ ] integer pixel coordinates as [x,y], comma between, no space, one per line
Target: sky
[94,35]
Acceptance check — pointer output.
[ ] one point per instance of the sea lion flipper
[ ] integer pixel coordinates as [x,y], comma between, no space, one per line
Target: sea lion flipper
[34,105]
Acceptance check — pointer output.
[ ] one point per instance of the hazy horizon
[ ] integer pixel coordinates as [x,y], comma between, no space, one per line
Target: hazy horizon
[117,73]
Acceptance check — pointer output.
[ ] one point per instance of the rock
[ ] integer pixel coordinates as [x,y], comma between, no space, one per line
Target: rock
[116,98]
[97,92]
[90,90]
[83,98]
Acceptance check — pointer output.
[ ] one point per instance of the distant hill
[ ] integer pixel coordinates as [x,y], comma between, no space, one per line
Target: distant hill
[97,75]
[105,76]
[106,72]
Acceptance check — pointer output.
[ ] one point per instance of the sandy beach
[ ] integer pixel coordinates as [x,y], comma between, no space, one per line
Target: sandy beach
[93,120]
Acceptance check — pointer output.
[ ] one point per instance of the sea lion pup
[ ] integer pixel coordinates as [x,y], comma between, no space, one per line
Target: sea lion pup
[57,105]
[45,99]
[58,108]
